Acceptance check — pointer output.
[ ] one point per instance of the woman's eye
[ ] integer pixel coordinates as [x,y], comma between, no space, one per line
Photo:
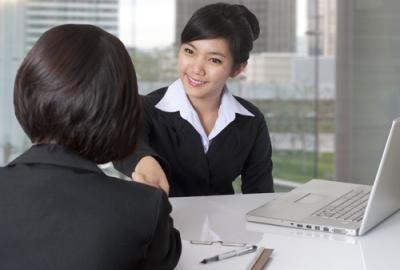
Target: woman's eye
[188,51]
[216,61]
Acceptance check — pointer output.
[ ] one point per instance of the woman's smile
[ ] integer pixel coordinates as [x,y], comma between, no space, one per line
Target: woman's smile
[195,83]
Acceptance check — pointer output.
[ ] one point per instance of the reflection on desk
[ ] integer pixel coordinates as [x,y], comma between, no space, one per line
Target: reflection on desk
[223,218]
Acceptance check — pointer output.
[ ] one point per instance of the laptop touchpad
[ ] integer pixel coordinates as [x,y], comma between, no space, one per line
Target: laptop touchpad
[310,198]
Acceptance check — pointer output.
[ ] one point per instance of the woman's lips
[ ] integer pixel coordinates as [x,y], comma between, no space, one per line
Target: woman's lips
[195,83]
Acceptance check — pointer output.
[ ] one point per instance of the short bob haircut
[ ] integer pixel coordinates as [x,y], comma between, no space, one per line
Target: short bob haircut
[77,87]
[235,23]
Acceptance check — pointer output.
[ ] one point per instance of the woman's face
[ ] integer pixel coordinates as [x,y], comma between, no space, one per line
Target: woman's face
[204,67]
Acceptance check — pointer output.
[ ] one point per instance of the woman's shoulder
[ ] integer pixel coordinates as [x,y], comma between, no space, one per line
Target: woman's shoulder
[250,107]
[154,97]
[132,192]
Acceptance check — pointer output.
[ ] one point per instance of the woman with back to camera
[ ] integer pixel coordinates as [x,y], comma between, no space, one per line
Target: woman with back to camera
[76,98]
[196,130]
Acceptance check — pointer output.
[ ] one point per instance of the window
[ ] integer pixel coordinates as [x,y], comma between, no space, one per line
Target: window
[280,77]
[316,78]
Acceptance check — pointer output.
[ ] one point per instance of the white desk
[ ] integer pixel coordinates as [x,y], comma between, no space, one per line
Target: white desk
[223,218]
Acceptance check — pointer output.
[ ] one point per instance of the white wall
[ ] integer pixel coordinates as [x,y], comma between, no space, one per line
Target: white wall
[368,84]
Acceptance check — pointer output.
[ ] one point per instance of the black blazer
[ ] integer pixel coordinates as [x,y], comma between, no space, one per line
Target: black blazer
[60,211]
[242,148]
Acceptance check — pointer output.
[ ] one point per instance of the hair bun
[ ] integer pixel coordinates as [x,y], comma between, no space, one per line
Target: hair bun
[252,20]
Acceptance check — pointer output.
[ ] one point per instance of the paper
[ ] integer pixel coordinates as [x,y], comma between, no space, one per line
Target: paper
[193,254]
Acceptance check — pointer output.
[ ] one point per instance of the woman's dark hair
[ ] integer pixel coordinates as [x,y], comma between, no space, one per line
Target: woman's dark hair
[77,87]
[235,23]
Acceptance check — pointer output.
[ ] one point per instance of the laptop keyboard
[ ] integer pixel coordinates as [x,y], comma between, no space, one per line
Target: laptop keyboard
[349,207]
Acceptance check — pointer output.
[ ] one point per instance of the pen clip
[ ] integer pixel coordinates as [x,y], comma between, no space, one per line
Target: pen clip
[246,249]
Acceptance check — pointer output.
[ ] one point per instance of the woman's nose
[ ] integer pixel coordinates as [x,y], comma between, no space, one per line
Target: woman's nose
[198,67]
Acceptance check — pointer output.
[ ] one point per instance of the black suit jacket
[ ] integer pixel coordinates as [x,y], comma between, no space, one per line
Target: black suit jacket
[60,211]
[242,148]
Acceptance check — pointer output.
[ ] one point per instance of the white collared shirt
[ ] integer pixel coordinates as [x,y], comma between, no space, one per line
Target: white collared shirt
[175,99]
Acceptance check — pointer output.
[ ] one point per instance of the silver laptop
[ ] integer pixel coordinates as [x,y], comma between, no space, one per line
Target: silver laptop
[340,207]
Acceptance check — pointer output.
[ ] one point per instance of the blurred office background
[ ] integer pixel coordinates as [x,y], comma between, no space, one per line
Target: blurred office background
[325,73]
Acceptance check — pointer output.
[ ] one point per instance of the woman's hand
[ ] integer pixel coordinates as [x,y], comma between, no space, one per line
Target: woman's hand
[148,171]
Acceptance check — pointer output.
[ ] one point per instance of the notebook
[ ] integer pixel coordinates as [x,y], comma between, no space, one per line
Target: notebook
[339,207]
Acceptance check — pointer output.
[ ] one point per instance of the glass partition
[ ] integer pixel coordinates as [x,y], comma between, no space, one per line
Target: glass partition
[290,75]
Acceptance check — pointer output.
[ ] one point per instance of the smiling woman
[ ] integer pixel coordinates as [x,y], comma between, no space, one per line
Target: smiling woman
[199,137]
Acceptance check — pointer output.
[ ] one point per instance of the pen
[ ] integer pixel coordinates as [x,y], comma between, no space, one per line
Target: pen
[230,254]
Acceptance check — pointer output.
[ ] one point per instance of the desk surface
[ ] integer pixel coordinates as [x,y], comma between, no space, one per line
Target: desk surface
[223,218]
